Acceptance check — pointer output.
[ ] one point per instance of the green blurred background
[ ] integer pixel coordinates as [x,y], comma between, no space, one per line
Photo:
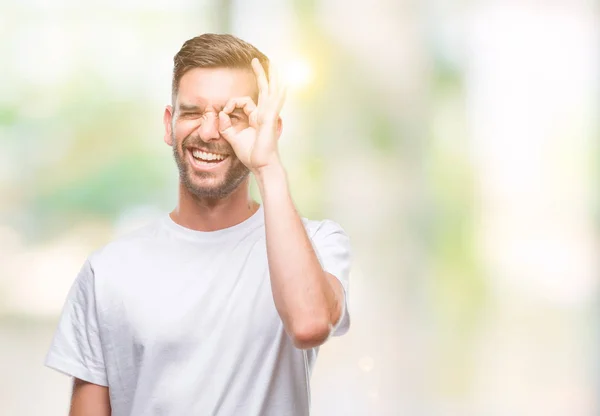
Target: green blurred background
[456,142]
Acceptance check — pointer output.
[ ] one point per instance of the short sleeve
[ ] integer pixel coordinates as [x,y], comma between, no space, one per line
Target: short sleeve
[76,349]
[332,246]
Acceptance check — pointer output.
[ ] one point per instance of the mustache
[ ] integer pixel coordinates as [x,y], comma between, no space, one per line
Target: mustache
[193,140]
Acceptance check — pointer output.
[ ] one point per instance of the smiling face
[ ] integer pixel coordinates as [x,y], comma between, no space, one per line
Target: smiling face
[208,167]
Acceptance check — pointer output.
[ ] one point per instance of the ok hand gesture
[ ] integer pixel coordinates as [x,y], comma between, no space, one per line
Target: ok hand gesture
[256,145]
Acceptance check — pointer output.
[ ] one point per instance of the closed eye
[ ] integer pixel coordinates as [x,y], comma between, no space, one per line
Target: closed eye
[238,116]
[191,115]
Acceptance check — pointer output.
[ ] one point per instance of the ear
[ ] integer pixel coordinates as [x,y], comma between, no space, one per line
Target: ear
[167,121]
[279,127]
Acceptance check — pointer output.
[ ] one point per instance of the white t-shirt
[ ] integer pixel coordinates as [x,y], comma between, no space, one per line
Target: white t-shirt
[181,322]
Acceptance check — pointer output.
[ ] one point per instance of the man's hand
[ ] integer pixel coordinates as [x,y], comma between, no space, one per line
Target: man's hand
[256,144]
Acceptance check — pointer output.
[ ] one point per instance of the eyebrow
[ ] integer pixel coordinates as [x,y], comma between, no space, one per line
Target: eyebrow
[189,107]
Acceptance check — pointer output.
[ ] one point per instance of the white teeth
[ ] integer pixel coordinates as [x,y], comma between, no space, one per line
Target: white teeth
[206,156]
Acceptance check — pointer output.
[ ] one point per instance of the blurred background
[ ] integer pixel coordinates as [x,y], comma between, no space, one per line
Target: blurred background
[455,141]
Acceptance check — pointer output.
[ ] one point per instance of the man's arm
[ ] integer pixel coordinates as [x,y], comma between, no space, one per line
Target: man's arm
[308,299]
[89,399]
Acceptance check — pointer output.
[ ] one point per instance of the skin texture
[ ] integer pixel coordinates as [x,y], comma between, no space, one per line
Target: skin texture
[89,399]
[236,113]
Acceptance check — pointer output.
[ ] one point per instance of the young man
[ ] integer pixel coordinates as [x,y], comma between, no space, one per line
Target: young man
[219,307]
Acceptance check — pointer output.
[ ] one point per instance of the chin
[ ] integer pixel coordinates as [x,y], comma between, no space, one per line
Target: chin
[205,189]
[212,188]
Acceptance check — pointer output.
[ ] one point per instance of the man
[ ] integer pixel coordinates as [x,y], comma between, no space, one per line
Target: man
[219,307]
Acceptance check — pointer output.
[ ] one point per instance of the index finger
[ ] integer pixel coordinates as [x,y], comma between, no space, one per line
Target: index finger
[245,103]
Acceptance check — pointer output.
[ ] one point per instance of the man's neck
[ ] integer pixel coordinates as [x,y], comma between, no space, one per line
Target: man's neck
[204,214]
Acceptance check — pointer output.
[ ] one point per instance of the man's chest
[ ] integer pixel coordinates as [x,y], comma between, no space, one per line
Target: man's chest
[178,300]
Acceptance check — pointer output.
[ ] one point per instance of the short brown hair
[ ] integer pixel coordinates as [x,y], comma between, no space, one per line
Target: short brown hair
[212,50]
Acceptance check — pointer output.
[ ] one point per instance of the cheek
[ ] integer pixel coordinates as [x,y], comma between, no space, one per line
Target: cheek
[184,128]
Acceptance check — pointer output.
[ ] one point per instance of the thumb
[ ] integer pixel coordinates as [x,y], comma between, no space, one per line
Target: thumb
[225,127]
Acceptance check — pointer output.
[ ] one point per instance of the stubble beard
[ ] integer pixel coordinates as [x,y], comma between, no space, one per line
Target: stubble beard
[232,179]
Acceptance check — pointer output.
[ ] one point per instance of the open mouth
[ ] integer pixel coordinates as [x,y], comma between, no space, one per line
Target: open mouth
[206,160]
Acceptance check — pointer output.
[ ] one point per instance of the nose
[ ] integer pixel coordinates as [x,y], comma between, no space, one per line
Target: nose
[209,129]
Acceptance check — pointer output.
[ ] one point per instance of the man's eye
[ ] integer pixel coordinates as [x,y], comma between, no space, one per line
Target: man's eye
[191,115]
[237,117]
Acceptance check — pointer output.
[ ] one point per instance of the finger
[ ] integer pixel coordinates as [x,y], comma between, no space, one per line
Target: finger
[245,103]
[261,78]
[277,88]
[225,127]
[253,119]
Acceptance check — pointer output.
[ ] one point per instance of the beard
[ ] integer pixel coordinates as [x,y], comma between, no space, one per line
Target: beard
[199,183]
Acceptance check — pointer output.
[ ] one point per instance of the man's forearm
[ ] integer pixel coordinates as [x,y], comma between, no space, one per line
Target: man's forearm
[303,294]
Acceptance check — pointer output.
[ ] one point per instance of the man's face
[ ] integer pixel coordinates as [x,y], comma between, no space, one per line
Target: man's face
[208,167]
